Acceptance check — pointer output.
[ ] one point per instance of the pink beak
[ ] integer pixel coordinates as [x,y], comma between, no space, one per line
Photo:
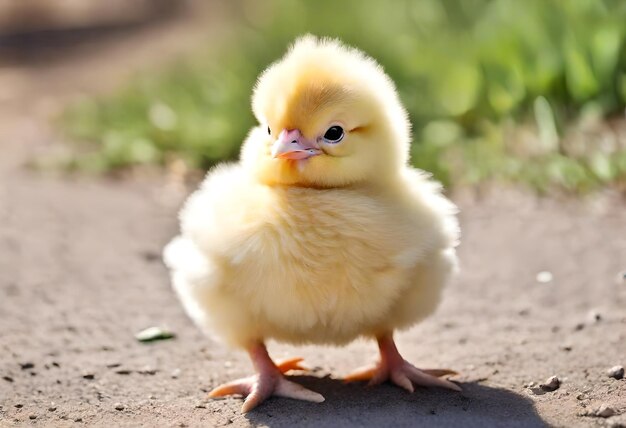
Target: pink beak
[291,144]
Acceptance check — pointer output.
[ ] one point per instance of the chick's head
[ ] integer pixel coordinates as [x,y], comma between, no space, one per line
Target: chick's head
[329,117]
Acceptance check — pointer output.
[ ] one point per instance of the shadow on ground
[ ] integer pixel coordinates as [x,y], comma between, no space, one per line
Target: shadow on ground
[386,405]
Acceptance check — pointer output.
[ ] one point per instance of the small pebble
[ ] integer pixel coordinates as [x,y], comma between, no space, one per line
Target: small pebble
[551,384]
[152,397]
[52,408]
[151,334]
[7,378]
[566,348]
[150,256]
[175,373]
[32,417]
[605,411]
[123,372]
[544,277]
[616,372]
[78,420]
[89,376]
[119,406]
[18,406]
[200,405]
[27,366]
[147,370]
[594,316]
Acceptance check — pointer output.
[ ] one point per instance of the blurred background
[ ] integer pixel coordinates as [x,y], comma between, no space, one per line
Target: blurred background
[529,92]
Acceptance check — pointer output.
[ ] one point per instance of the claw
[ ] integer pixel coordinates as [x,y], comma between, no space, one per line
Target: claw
[291,364]
[402,380]
[440,372]
[239,386]
[270,381]
[363,373]
[396,369]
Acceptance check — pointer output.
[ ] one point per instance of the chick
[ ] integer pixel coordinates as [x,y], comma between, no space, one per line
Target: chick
[321,233]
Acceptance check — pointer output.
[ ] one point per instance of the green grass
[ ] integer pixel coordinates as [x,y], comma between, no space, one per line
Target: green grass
[495,89]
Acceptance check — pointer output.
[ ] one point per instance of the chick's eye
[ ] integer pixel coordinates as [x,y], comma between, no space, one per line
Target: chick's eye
[334,134]
[269,131]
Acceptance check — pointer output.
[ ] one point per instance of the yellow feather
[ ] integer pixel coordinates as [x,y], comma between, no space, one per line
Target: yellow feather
[351,243]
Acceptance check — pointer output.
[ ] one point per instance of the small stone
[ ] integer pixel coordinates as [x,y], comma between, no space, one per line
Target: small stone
[89,376]
[18,406]
[150,256]
[200,405]
[152,397]
[7,378]
[52,408]
[605,411]
[27,366]
[147,370]
[123,372]
[78,420]
[579,326]
[152,334]
[119,406]
[566,348]
[551,384]
[594,316]
[175,373]
[113,365]
[32,417]
[544,277]
[616,372]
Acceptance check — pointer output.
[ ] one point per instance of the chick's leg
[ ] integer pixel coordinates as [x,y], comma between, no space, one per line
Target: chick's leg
[268,381]
[392,367]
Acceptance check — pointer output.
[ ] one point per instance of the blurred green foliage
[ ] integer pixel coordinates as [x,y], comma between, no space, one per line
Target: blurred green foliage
[491,87]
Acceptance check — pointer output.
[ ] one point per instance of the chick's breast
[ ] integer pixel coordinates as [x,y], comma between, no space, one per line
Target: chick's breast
[309,265]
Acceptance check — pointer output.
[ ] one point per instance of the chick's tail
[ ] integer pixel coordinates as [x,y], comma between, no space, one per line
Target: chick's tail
[182,255]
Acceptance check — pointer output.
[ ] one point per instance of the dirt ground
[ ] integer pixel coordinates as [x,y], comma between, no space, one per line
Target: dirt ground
[80,274]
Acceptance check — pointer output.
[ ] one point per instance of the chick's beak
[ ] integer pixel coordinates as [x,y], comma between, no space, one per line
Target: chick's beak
[291,144]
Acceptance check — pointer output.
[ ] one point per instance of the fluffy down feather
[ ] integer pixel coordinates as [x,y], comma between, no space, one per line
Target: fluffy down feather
[285,251]
[310,265]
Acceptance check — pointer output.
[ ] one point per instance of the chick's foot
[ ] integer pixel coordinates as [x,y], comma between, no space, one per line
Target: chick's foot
[269,381]
[392,367]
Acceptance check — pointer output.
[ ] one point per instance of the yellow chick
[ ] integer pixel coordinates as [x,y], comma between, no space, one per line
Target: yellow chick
[321,233]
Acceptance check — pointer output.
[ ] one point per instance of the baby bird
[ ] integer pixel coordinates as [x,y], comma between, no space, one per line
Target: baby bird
[321,233]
